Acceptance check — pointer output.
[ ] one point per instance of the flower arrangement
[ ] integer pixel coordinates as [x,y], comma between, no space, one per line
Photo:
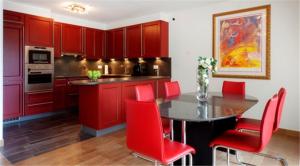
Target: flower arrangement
[94,74]
[207,64]
[204,65]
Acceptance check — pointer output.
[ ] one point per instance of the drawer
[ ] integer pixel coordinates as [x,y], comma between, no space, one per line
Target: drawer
[39,97]
[32,109]
[60,82]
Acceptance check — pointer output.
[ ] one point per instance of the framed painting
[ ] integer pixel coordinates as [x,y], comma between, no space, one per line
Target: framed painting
[241,43]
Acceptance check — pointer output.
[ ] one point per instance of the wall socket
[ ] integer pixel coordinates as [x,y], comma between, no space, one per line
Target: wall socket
[99,66]
[155,67]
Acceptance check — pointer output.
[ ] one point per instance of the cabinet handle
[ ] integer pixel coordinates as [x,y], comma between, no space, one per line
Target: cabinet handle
[32,105]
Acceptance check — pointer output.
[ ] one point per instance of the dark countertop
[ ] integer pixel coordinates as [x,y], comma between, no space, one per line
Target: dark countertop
[84,76]
[114,80]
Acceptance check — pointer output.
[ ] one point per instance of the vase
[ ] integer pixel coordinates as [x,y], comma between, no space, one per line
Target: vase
[203,82]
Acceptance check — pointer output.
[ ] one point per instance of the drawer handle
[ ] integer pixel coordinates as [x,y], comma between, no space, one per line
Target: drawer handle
[31,105]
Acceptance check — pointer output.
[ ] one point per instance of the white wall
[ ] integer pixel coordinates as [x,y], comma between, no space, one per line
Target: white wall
[1,73]
[191,36]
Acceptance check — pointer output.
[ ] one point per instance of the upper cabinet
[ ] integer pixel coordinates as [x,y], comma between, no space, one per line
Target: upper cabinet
[155,39]
[13,16]
[94,44]
[115,43]
[57,39]
[38,31]
[72,39]
[134,41]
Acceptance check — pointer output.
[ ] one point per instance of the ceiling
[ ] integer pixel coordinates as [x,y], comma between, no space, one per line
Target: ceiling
[107,11]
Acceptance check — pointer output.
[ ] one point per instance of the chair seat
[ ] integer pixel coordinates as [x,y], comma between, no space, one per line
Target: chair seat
[166,126]
[248,124]
[238,140]
[175,150]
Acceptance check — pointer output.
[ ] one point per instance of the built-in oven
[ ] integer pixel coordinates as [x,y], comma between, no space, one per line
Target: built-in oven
[38,79]
[39,55]
[39,68]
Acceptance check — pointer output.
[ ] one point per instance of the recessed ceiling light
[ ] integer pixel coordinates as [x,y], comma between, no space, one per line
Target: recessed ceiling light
[76,8]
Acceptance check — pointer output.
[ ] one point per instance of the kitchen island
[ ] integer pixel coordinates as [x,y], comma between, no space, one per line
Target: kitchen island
[102,102]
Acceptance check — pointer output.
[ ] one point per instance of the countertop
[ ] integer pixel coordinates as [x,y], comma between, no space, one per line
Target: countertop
[114,80]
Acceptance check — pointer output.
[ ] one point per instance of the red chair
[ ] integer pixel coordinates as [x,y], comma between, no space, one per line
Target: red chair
[144,135]
[239,141]
[233,88]
[145,93]
[172,89]
[254,125]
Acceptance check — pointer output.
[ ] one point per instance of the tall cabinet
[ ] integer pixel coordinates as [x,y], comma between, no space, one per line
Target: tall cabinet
[13,35]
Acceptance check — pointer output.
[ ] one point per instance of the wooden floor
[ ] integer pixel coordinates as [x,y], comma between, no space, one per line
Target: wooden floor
[27,139]
[111,150]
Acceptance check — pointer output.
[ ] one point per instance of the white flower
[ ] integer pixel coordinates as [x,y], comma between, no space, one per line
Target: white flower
[206,81]
[208,61]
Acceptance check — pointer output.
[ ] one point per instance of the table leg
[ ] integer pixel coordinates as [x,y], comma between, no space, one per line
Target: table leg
[183,138]
[172,130]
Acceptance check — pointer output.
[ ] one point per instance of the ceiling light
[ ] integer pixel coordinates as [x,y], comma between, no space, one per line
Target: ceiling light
[76,8]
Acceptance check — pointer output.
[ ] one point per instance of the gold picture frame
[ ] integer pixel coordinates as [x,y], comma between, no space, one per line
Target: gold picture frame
[241,43]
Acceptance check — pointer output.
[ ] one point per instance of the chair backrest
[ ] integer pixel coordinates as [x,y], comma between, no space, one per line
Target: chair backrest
[267,123]
[172,89]
[144,133]
[144,92]
[235,88]
[281,100]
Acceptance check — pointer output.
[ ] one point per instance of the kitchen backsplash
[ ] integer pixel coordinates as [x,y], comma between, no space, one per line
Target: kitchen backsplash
[71,66]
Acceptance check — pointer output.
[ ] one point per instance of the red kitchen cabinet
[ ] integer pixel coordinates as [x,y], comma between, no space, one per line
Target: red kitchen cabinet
[38,31]
[110,104]
[161,88]
[38,102]
[115,43]
[57,39]
[60,89]
[72,39]
[13,16]
[99,44]
[12,67]
[155,39]
[12,99]
[94,43]
[134,41]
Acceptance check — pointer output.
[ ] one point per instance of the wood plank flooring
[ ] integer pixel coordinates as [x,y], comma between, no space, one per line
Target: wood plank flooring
[30,144]
[27,139]
[111,150]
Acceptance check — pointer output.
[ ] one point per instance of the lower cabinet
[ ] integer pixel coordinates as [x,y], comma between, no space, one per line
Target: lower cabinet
[38,102]
[110,105]
[60,89]
[12,99]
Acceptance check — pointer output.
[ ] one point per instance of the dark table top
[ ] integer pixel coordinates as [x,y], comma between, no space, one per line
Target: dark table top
[187,107]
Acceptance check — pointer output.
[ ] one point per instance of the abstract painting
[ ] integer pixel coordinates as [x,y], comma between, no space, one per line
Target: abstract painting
[241,43]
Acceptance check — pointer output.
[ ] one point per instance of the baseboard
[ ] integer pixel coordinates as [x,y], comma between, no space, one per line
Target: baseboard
[291,133]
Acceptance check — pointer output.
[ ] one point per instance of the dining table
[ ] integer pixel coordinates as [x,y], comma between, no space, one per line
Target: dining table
[197,123]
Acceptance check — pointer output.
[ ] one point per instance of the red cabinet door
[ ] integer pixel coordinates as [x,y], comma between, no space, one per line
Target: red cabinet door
[38,102]
[99,44]
[128,92]
[13,69]
[115,43]
[119,43]
[60,90]
[161,88]
[12,99]
[13,16]
[72,39]
[90,43]
[38,31]
[57,39]
[134,41]
[155,39]
[110,104]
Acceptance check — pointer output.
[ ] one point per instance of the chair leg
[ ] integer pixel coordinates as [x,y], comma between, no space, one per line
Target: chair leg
[228,155]
[191,159]
[278,158]
[214,155]
[238,159]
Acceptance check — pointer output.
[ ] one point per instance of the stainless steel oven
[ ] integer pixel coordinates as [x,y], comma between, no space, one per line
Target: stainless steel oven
[39,68]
